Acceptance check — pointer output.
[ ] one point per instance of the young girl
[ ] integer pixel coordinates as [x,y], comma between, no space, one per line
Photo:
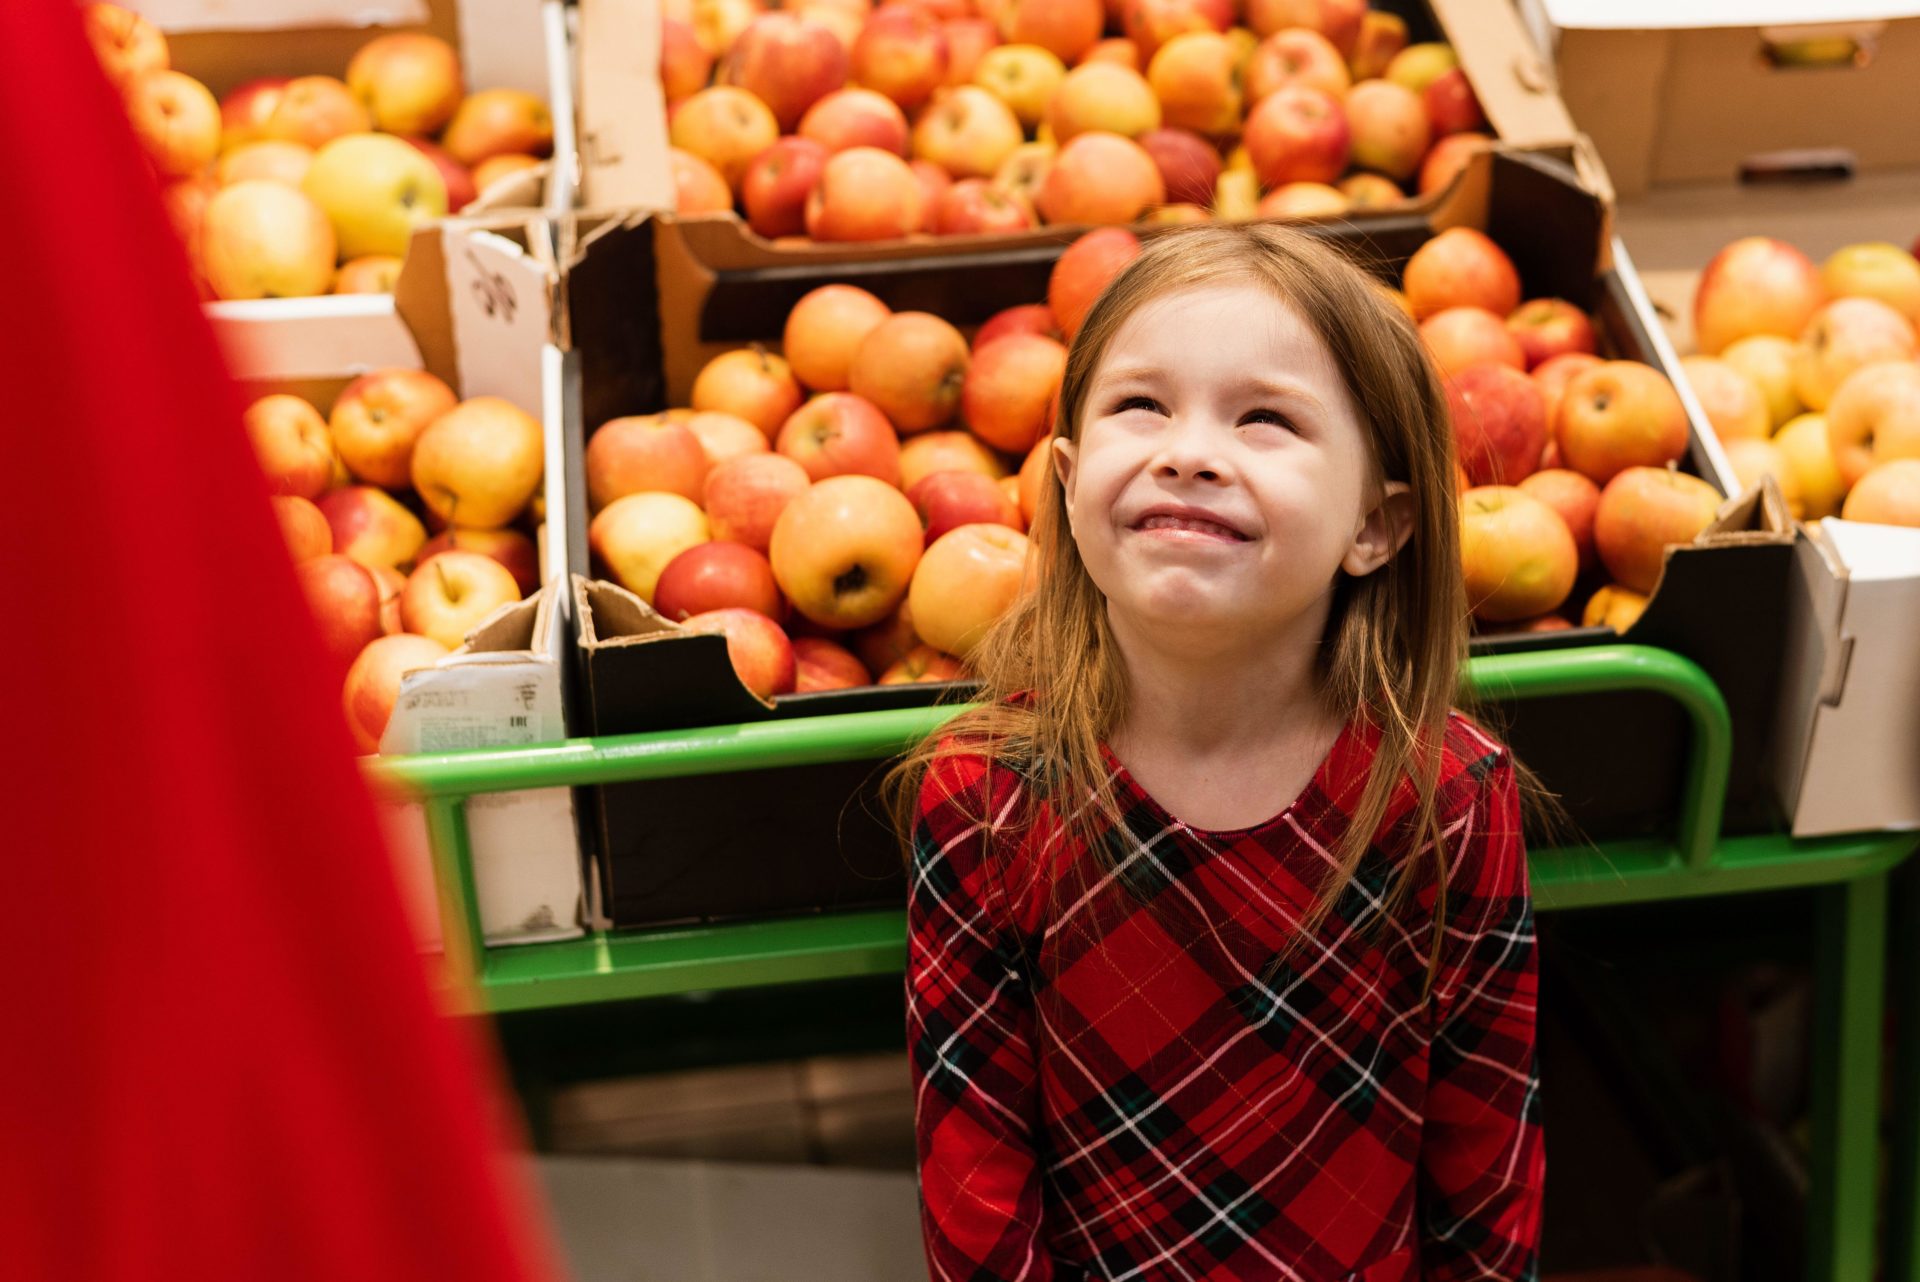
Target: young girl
[1221,962]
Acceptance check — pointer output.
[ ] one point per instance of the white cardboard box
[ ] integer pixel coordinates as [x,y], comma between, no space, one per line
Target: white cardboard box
[508,44]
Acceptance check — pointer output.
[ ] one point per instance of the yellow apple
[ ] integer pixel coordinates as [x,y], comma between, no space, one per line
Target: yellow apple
[263,239]
[176,119]
[844,551]
[638,534]
[408,81]
[1874,418]
[1736,408]
[1810,454]
[1767,361]
[292,443]
[965,581]
[1753,459]
[271,160]
[376,189]
[447,597]
[1875,270]
[1890,495]
[478,464]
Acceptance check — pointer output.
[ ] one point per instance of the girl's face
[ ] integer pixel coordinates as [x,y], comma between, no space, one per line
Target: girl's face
[1220,478]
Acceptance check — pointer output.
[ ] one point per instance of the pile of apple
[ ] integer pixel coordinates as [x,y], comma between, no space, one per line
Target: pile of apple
[844,122]
[1568,460]
[1807,373]
[292,187]
[356,493]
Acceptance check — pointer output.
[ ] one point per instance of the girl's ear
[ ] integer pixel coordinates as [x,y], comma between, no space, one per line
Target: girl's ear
[1066,455]
[1384,531]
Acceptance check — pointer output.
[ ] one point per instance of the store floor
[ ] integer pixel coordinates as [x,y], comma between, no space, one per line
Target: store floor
[794,1170]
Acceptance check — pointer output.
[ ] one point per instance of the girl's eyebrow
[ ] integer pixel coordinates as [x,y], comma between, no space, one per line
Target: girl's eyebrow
[1130,374]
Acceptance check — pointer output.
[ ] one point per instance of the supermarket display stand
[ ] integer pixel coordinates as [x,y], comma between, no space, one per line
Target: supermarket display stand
[1850,875]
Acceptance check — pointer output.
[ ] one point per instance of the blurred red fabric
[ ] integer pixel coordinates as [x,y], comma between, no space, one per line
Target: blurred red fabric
[220,1058]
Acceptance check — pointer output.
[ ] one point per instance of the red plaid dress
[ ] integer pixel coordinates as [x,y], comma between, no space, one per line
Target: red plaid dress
[1168,1103]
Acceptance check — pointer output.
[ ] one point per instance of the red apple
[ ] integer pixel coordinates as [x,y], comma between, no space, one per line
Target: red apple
[1519,556]
[912,367]
[1010,390]
[950,499]
[1338,20]
[844,552]
[902,52]
[856,118]
[1450,104]
[1552,376]
[967,579]
[924,665]
[1296,56]
[837,433]
[448,596]
[1461,336]
[370,526]
[124,42]
[501,122]
[934,182]
[820,664]
[512,549]
[1755,286]
[1100,178]
[749,383]
[865,194]
[1028,318]
[777,185]
[1549,327]
[723,437]
[698,188]
[291,441]
[1846,336]
[379,417]
[176,119]
[887,642]
[975,207]
[1066,28]
[1152,23]
[969,40]
[246,109]
[649,452]
[1887,495]
[967,131]
[1461,267]
[373,683]
[788,63]
[313,110]
[761,654]
[725,126]
[1086,268]
[931,452]
[1447,158]
[1643,511]
[825,329]
[745,496]
[391,583]
[1297,134]
[409,81]
[302,527]
[1617,415]
[1500,422]
[1390,129]
[685,67]
[716,576]
[1575,498]
[1188,164]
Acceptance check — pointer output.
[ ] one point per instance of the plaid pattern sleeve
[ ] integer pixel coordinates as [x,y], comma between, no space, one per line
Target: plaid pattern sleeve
[970,1032]
[1482,1159]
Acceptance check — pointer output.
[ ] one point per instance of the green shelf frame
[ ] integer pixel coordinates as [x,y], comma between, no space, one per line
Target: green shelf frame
[1851,874]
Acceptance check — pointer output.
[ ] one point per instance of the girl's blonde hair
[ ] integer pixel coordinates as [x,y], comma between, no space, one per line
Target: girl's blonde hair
[1395,638]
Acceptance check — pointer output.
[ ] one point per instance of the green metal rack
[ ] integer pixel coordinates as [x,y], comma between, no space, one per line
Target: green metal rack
[1851,872]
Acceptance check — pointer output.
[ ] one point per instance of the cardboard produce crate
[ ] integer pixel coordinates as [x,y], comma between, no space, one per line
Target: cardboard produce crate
[504,44]
[475,301]
[665,854]
[623,131]
[1698,109]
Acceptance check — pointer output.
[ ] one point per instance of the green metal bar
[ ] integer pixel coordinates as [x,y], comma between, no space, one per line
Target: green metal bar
[648,963]
[1850,970]
[461,934]
[1903,1193]
[858,736]
[1607,669]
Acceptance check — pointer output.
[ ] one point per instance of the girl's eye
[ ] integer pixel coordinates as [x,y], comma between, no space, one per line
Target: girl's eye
[1269,416]
[1146,403]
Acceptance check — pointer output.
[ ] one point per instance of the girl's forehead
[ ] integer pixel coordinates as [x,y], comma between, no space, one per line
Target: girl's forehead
[1200,328]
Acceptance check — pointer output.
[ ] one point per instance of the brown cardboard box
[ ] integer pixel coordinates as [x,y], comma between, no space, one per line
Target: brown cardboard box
[1678,91]
[515,44]
[623,118]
